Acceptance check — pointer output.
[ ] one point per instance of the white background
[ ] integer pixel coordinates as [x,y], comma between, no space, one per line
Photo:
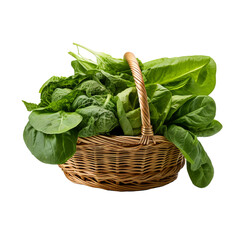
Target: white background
[37,201]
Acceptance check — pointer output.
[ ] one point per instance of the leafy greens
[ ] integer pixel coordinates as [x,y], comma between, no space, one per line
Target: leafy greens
[101,98]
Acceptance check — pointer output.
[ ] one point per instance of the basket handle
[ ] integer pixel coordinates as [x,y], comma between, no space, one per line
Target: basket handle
[146,131]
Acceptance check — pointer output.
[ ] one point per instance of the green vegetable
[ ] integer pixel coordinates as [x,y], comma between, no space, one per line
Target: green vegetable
[54,123]
[196,113]
[176,102]
[209,130]
[96,120]
[200,168]
[82,65]
[123,120]
[50,148]
[159,104]
[30,106]
[55,82]
[191,75]
[91,87]
[107,62]
[59,93]
[101,98]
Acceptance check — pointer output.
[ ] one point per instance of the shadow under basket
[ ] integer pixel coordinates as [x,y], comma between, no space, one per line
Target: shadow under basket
[126,163]
[120,163]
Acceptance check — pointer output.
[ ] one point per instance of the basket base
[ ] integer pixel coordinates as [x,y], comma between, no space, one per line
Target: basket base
[113,186]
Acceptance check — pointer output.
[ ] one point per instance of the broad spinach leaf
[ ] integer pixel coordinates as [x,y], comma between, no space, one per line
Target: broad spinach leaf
[98,119]
[83,101]
[195,113]
[65,103]
[117,83]
[190,75]
[105,101]
[59,93]
[211,129]
[50,148]
[91,87]
[200,168]
[53,79]
[159,104]
[54,123]
[129,99]
[176,102]
[70,82]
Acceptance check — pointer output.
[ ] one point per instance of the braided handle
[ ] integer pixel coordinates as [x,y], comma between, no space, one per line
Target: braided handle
[147,132]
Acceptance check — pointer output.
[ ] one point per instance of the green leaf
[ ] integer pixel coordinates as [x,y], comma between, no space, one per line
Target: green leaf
[50,148]
[54,123]
[59,93]
[134,118]
[83,101]
[176,102]
[117,83]
[191,75]
[105,101]
[199,167]
[211,129]
[65,103]
[92,87]
[53,79]
[129,99]
[159,104]
[30,106]
[103,121]
[202,176]
[107,62]
[123,120]
[195,113]
[82,65]
[70,82]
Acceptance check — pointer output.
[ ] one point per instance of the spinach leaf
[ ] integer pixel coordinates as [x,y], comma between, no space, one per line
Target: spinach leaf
[134,117]
[96,120]
[176,102]
[82,65]
[83,101]
[59,93]
[123,120]
[51,80]
[128,111]
[199,166]
[65,103]
[50,148]
[107,62]
[129,99]
[211,129]
[30,106]
[195,113]
[91,87]
[159,104]
[117,83]
[105,101]
[193,75]
[70,82]
[54,123]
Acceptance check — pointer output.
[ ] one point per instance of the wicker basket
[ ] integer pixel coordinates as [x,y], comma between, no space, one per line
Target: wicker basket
[126,163]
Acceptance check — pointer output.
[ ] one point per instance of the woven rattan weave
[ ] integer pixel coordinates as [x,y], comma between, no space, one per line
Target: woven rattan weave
[126,163]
